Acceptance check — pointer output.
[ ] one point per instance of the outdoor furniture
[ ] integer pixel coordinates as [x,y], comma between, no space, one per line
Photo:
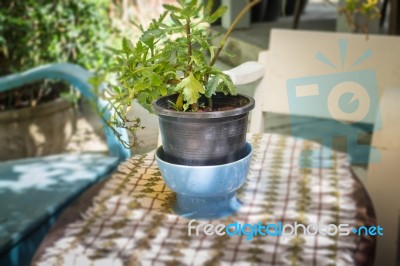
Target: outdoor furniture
[299,7]
[34,191]
[290,180]
[383,181]
[317,76]
[394,20]
[131,222]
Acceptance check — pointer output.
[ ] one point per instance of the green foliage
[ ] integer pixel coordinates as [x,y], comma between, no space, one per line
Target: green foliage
[190,88]
[171,57]
[174,55]
[36,32]
[368,9]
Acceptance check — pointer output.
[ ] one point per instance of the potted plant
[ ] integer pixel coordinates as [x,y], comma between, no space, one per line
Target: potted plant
[361,16]
[202,119]
[39,118]
[204,155]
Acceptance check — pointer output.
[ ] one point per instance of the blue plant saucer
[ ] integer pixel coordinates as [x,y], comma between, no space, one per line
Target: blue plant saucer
[205,192]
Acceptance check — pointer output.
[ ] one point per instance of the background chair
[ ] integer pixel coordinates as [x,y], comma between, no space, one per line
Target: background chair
[394,20]
[302,68]
[383,182]
[34,191]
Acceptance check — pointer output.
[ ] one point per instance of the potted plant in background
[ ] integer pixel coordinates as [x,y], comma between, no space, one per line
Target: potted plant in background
[203,121]
[38,119]
[357,16]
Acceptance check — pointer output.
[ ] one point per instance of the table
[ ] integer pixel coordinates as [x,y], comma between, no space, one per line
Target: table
[130,220]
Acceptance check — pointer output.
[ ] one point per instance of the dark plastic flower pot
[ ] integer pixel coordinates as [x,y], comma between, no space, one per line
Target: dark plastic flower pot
[204,138]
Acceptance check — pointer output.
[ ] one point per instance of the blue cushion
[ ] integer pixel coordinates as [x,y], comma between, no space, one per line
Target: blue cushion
[32,191]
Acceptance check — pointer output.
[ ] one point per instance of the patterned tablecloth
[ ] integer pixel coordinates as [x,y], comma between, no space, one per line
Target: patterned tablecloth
[131,222]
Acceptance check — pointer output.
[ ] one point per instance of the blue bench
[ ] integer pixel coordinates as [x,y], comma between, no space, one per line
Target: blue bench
[34,191]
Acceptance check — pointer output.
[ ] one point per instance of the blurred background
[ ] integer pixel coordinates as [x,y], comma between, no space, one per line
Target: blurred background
[50,117]
[33,33]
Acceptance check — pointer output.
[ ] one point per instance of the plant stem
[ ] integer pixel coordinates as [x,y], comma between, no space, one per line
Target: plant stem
[189,46]
[195,106]
[230,29]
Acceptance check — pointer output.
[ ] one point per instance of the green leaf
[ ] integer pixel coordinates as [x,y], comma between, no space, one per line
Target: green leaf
[144,99]
[157,32]
[163,89]
[176,20]
[162,17]
[172,8]
[116,89]
[226,86]
[181,2]
[202,41]
[97,80]
[140,86]
[217,14]
[127,46]
[212,49]
[191,89]
[155,80]
[212,87]
[179,102]
[148,39]
[197,58]
[190,9]
[199,8]
[229,54]
[208,7]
